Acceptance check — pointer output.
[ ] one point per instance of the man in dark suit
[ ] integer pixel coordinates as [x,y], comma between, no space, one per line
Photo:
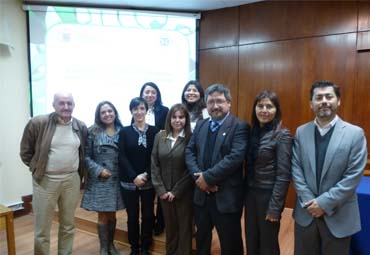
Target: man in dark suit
[329,156]
[214,157]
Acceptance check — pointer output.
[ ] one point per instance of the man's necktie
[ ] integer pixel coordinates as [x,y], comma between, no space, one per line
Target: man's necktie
[214,125]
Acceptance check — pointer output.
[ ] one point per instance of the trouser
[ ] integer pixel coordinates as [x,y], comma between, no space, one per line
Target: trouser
[262,237]
[133,199]
[159,214]
[316,239]
[227,225]
[48,193]
[178,216]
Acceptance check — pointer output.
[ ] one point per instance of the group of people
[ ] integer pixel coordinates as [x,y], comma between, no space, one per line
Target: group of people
[192,157]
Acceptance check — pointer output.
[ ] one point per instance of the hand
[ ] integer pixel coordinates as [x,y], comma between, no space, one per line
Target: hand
[105,174]
[171,196]
[314,208]
[140,180]
[201,183]
[164,196]
[271,218]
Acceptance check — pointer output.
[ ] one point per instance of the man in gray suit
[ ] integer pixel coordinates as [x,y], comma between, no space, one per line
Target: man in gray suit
[214,157]
[329,156]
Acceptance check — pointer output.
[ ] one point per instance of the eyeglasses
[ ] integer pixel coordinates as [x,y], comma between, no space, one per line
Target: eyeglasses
[217,101]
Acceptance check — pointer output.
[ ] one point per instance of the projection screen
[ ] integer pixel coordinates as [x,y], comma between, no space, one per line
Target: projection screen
[101,54]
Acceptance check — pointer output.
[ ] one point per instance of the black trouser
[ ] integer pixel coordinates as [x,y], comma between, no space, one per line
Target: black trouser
[316,239]
[133,199]
[159,214]
[262,237]
[227,225]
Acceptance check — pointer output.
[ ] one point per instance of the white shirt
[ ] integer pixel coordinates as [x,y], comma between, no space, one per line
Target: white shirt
[150,117]
[173,139]
[323,130]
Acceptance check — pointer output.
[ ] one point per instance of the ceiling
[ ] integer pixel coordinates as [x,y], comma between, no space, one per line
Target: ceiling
[172,5]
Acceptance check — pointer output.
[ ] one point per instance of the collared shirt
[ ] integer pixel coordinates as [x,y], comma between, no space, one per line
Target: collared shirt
[325,129]
[173,139]
[220,121]
[150,117]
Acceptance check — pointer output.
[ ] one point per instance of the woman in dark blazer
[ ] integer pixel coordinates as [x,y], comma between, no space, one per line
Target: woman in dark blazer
[152,95]
[173,182]
[135,148]
[156,116]
[268,175]
[102,189]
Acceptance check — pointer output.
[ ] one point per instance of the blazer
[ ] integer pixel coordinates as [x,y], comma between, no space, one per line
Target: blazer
[132,158]
[169,172]
[227,162]
[343,167]
[160,115]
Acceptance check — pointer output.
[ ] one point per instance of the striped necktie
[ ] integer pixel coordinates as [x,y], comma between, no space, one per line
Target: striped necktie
[214,126]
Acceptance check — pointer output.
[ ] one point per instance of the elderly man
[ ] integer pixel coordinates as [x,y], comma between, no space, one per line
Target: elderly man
[214,157]
[52,147]
[329,156]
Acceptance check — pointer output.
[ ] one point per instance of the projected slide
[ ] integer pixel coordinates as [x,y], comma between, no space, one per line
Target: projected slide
[108,55]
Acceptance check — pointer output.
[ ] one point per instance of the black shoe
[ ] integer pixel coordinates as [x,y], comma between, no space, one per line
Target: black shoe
[158,229]
[144,252]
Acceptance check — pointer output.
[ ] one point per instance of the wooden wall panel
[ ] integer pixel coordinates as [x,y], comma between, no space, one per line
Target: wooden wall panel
[361,103]
[270,21]
[290,67]
[220,66]
[364,16]
[286,46]
[363,40]
[219,28]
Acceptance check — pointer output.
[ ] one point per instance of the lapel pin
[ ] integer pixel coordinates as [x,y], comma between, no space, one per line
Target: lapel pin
[223,133]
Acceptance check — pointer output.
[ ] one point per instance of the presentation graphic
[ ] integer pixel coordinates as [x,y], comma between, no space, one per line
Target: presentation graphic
[108,55]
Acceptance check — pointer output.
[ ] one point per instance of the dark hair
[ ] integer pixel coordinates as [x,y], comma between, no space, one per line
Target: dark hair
[197,107]
[182,108]
[135,102]
[154,86]
[275,100]
[99,123]
[217,87]
[324,84]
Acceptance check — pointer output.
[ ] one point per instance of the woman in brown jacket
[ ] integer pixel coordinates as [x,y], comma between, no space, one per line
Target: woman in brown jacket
[172,181]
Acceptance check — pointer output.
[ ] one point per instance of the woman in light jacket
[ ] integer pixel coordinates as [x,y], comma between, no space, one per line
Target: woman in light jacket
[268,175]
[102,189]
[173,182]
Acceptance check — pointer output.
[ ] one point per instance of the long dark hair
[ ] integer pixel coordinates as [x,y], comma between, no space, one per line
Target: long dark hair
[197,107]
[98,123]
[154,86]
[181,108]
[275,100]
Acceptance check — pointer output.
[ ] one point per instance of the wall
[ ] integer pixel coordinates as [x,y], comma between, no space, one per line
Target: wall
[15,180]
[285,47]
